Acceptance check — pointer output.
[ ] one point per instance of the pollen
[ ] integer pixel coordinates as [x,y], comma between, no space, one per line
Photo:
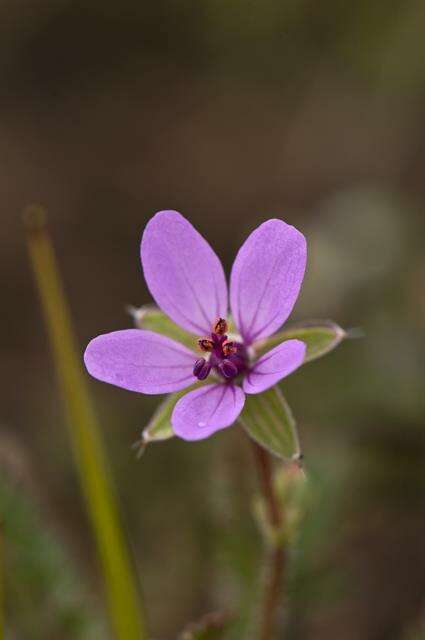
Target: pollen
[229,347]
[220,327]
[206,344]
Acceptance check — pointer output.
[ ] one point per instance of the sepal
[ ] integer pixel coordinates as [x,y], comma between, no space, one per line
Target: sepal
[320,336]
[268,420]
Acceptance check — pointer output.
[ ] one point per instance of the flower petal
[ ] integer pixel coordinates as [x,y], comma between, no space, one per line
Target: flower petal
[266,278]
[183,273]
[141,361]
[275,365]
[202,412]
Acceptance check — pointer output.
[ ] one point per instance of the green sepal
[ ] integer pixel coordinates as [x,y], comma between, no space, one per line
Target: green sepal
[159,426]
[151,318]
[268,419]
[320,336]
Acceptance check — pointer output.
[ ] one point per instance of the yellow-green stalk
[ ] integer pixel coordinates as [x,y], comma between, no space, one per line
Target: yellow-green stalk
[2,584]
[121,586]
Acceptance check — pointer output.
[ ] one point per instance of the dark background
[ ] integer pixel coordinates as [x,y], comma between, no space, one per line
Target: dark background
[231,113]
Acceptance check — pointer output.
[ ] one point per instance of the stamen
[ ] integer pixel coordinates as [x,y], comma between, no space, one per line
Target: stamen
[201,369]
[229,347]
[228,369]
[227,358]
[206,344]
[220,327]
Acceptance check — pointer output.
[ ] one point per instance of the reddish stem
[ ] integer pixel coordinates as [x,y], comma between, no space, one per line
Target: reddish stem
[276,555]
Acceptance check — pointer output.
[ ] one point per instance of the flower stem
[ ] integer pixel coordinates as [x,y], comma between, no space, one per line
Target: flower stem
[275,560]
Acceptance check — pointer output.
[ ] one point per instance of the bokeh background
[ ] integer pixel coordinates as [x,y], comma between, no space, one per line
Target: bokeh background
[230,112]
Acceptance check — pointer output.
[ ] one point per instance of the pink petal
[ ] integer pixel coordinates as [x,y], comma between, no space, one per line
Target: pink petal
[183,273]
[202,412]
[275,365]
[266,278]
[141,361]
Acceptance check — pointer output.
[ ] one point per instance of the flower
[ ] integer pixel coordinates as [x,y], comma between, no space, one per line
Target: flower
[187,281]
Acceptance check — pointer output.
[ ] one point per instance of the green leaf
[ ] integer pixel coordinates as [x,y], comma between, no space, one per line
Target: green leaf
[269,421]
[153,319]
[320,336]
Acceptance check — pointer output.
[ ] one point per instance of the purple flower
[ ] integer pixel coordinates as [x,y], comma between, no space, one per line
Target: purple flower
[187,281]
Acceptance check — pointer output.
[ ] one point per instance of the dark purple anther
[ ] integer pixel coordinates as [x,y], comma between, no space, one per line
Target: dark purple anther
[201,369]
[228,369]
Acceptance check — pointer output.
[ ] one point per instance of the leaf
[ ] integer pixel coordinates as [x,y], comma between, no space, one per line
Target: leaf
[320,336]
[153,319]
[269,421]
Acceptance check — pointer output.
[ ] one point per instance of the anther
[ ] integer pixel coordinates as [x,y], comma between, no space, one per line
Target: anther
[201,369]
[228,369]
[206,344]
[220,326]
[229,347]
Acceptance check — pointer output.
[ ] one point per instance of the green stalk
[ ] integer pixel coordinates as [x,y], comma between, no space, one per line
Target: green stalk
[122,591]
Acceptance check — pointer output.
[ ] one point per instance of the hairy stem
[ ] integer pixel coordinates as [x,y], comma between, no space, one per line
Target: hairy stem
[275,561]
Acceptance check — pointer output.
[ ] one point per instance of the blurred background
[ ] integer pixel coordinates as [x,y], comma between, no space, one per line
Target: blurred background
[231,113]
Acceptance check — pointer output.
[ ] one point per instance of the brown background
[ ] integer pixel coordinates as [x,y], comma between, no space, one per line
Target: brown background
[230,112]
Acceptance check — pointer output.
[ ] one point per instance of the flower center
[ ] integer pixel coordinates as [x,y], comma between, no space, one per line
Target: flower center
[226,357]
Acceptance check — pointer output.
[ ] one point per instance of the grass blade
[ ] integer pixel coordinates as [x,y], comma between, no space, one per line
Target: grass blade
[2,584]
[89,454]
